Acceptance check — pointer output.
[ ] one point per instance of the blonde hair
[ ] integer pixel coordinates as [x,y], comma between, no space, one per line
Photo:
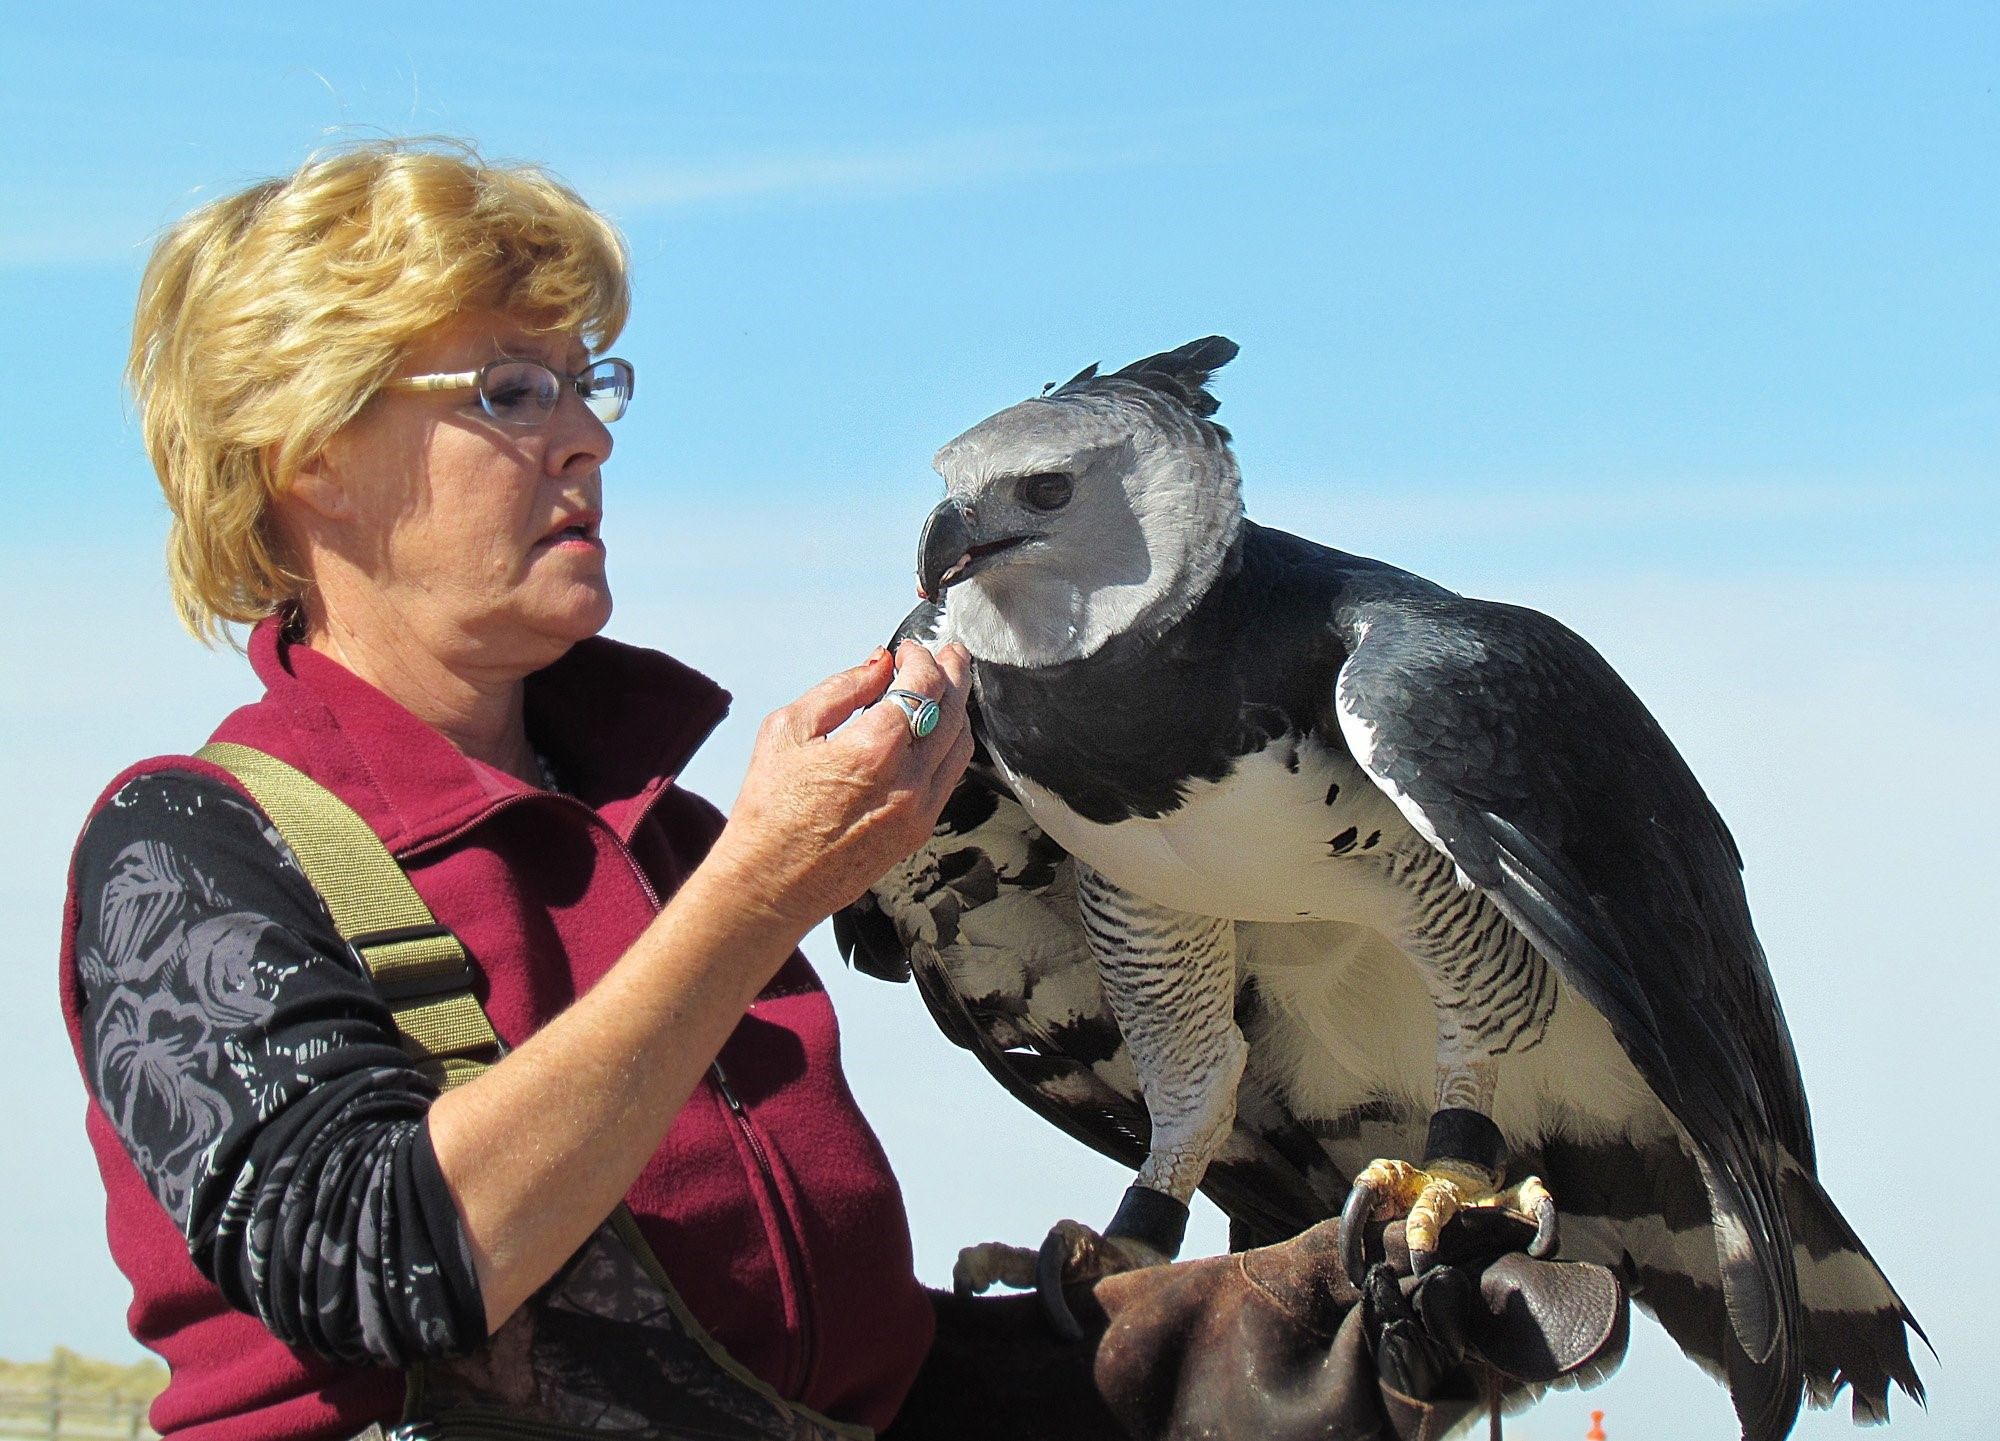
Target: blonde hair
[267,319]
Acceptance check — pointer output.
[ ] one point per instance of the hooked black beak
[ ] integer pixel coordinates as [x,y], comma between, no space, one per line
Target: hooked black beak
[949,552]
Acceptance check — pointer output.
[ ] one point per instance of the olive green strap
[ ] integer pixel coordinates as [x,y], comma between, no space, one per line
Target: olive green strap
[417,965]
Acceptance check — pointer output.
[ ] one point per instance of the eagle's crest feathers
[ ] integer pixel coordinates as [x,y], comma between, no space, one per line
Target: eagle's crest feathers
[1179,376]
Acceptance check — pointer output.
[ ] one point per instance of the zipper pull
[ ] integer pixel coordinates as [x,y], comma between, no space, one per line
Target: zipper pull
[722,1085]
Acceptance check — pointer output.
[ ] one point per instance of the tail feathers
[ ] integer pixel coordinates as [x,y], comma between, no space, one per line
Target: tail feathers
[1649,1207]
[1691,1308]
[1644,1208]
[1764,1391]
[1693,1312]
[1857,1328]
[1863,1351]
[1754,1258]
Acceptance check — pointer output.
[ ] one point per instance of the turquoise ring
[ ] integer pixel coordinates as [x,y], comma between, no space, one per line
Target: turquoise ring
[919,710]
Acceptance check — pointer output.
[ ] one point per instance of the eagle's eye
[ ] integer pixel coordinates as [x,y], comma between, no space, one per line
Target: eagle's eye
[1047,492]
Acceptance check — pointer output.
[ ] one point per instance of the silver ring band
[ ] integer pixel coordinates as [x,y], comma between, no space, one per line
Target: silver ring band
[920,712]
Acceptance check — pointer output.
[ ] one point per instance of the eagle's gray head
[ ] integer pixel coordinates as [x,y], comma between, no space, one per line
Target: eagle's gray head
[1103,506]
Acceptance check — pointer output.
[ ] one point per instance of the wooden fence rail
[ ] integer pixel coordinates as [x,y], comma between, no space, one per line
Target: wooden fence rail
[59,1412]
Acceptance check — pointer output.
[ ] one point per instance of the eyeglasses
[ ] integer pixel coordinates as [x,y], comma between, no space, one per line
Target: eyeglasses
[525,392]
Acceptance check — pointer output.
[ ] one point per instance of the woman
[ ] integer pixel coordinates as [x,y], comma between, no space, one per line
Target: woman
[370,394]
[412,555]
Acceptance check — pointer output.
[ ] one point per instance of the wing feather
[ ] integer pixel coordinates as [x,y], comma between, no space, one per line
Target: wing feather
[1511,745]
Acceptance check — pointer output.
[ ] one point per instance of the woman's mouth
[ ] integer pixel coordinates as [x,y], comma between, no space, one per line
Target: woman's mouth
[582,531]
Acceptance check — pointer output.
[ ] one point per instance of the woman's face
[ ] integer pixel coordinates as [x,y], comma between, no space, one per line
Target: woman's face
[436,525]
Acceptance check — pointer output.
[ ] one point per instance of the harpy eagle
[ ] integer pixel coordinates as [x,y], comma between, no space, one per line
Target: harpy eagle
[1292,876]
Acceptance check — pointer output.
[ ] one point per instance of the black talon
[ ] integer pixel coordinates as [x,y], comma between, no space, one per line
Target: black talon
[1444,1301]
[1049,1266]
[1544,1244]
[1405,1357]
[1354,1217]
[1421,1261]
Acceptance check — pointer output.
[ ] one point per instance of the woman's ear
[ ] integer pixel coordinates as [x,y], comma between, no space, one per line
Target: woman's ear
[316,484]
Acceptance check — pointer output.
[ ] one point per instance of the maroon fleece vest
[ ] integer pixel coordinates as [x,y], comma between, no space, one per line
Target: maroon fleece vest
[780,1225]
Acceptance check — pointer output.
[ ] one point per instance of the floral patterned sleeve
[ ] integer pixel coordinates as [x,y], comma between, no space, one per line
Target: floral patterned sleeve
[257,1082]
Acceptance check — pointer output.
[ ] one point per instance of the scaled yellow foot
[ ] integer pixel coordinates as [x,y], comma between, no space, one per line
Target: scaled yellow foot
[1429,1196]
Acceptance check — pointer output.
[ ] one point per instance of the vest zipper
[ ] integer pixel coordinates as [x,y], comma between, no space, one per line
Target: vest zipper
[794,1253]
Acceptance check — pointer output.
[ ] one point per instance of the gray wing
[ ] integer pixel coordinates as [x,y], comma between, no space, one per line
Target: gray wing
[984,917]
[1515,748]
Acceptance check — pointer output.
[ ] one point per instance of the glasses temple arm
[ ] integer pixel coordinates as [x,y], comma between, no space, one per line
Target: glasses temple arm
[458,381]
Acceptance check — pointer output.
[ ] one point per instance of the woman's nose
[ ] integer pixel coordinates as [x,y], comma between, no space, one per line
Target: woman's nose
[577,439]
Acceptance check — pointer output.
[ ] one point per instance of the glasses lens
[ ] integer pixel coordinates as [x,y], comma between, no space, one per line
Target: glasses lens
[606,388]
[519,391]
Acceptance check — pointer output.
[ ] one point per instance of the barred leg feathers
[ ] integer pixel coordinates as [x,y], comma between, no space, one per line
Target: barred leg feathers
[1170,980]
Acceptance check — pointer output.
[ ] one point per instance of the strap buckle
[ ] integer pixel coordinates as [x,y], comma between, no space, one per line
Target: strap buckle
[430,981]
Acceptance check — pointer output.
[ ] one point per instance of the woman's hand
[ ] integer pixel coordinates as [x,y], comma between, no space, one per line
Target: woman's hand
[834,798]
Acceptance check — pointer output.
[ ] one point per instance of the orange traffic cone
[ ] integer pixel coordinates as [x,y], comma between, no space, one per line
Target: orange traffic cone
[1596,1431]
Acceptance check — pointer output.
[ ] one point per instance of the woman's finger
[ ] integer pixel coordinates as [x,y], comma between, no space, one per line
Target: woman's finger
[882,730]
[821,710]
[917,670]
[941,677]
[885,728]
[956,663]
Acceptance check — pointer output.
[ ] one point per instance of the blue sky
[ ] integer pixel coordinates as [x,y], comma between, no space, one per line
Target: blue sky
[1675,319]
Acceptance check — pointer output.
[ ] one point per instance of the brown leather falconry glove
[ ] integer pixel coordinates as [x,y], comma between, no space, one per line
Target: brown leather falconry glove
[1275,1344]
